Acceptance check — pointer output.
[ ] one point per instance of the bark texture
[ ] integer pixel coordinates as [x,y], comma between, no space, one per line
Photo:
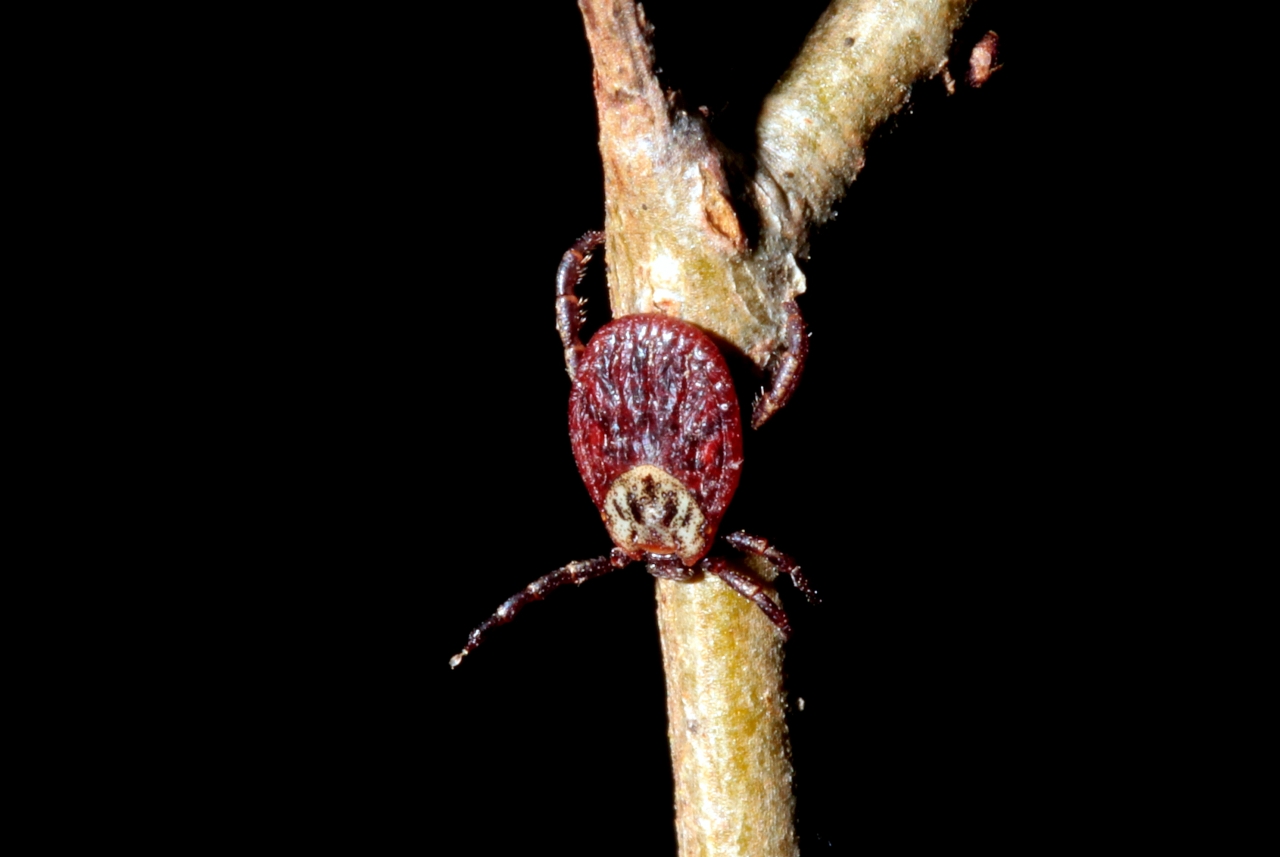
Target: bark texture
[726,715]
[712,237]
[855,71]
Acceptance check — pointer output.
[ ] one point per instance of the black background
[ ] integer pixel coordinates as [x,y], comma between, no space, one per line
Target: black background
[403,416]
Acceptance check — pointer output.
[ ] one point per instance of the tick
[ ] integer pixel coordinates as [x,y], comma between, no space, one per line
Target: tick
[656,433]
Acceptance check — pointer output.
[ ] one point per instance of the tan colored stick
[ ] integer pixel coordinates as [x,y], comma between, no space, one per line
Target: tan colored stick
[675,244]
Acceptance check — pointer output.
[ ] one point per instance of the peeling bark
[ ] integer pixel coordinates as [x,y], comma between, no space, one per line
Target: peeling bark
[712,237]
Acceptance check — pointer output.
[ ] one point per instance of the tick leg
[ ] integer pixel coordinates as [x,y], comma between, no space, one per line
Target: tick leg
[757,546]
[574,572]
[749,588]
[671,569]
[784,369]
[568,307]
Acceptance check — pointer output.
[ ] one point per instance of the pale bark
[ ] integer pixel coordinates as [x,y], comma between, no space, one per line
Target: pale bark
[676,244]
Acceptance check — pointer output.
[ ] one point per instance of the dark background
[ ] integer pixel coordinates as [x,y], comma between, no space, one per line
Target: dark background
[403,416]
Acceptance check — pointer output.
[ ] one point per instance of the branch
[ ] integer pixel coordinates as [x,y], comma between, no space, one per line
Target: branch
[855,71]
[702,234]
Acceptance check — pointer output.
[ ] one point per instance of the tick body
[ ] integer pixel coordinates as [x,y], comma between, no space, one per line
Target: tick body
[656,432]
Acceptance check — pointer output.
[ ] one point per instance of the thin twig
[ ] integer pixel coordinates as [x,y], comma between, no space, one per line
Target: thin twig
[676,244]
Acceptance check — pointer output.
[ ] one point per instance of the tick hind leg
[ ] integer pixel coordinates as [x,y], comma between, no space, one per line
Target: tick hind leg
[757,546]
[785,368]
[574,572]
[573,265]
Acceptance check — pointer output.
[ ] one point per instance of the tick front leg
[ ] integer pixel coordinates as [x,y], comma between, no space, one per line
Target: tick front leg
[757,546]
[574,572]
[573,266]
[784,369]
[670,568]
[749,588]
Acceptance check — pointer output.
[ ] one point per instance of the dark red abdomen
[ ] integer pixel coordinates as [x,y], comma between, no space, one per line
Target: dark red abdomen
[652,389]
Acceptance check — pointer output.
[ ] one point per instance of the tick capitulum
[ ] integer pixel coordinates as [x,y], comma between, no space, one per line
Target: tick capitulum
[656,433]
